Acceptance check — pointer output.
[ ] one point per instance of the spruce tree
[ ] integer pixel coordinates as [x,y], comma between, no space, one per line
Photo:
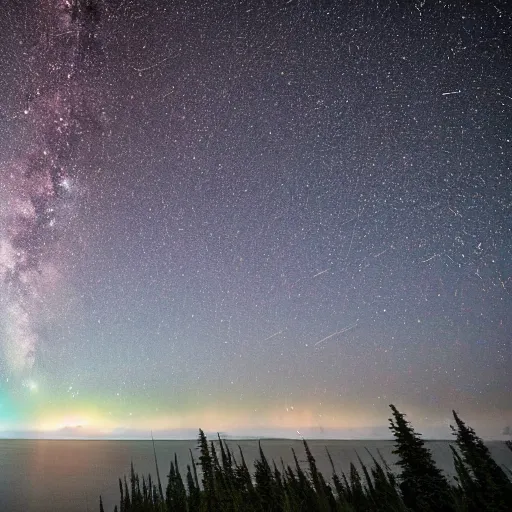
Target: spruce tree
[243,475]
[157,501]
[264,482]
[313,470]
[221,488]
[208,466]
[205,461]
[338,484]
[133,485]
[194,493]
[369,488]
[227,462]
[484,480]
[348,489]
[121,502]
[150,489]
[160,491]
[316,478]
[358,495]
[180,492]
[145,496]
[170,488]
[194,469]
[385,493]
[306,491]
[127,501]
[466,495]
[423,485]
[293,491]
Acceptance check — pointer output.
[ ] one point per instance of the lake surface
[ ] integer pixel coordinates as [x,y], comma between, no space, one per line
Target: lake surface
[69,476]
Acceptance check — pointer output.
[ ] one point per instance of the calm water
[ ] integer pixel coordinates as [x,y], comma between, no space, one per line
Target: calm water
[69,476]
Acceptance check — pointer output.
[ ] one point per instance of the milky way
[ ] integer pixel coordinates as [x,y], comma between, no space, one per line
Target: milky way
[37,191]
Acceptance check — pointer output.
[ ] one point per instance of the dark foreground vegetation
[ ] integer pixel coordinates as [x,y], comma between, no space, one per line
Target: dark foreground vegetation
[225,483]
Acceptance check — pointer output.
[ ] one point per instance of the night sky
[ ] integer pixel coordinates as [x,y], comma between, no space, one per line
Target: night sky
[254,217]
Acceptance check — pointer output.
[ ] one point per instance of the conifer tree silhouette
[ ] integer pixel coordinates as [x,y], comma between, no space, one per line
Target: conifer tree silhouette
[423,485]
[485,483]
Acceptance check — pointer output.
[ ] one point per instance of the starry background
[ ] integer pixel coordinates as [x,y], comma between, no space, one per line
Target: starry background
[290,215]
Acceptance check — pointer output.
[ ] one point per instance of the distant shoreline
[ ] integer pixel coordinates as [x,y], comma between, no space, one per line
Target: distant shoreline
[287,439]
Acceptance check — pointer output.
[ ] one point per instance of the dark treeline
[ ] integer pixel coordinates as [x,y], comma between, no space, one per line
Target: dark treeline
[225,483]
